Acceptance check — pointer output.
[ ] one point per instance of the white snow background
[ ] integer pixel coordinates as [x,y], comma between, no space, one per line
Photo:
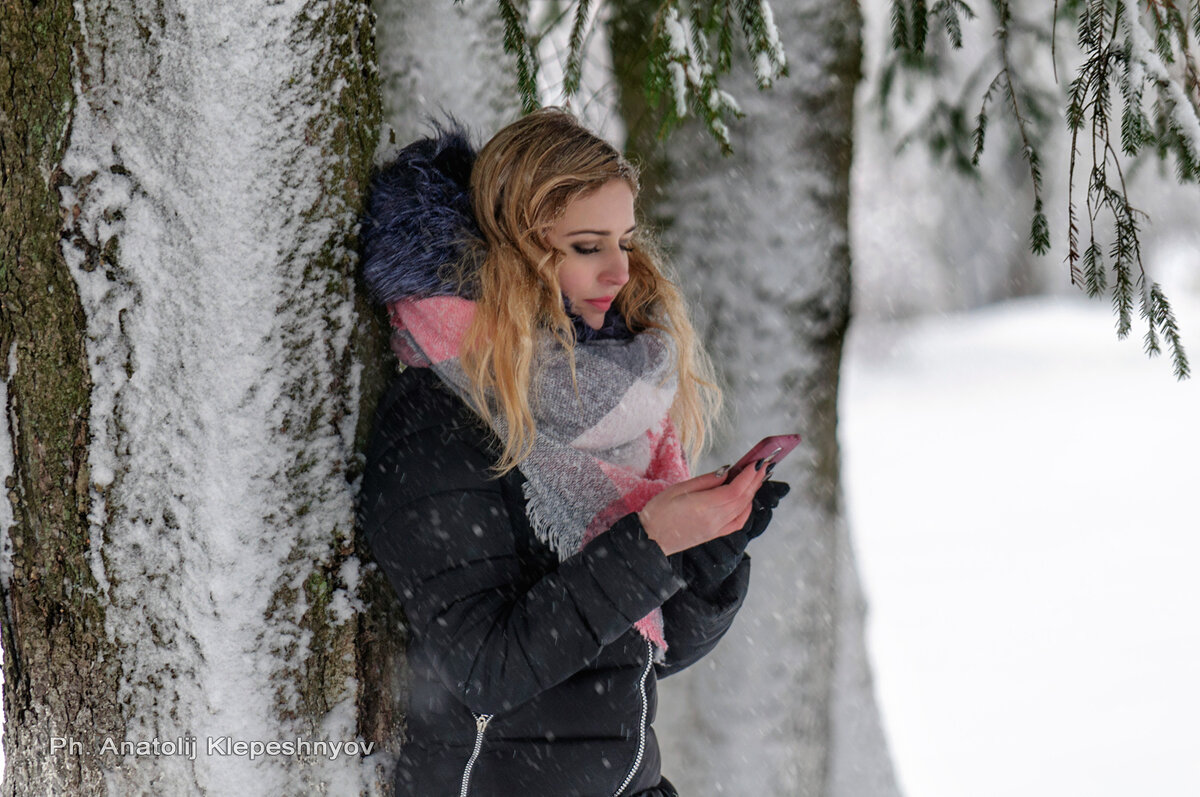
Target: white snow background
[1020,492]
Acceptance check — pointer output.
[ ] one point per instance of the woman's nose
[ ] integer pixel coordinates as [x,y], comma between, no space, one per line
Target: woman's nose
[616,270]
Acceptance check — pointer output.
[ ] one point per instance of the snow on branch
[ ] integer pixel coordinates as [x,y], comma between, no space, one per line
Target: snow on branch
[691,48]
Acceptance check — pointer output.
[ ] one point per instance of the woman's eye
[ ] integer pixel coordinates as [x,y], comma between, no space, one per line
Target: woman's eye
[585,250]
[627,246]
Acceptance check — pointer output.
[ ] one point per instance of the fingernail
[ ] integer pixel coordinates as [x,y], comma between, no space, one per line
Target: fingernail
[770,469]
[721,471]
[758,465]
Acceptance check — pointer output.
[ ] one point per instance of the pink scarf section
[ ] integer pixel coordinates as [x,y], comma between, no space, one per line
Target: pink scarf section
[427,334]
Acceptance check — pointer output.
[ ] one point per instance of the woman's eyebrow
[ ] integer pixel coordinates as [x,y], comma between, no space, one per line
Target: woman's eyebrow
[600,233]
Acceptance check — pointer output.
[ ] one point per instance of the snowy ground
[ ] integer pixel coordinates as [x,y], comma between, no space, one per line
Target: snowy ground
[1019,484]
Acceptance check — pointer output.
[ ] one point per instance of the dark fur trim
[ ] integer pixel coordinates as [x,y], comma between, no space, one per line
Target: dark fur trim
[419,224]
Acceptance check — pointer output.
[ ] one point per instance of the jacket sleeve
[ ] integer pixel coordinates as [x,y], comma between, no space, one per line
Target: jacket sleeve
[697,616]
[497,632]
[717,575]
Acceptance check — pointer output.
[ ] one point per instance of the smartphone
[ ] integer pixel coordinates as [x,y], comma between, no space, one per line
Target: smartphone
[776,446]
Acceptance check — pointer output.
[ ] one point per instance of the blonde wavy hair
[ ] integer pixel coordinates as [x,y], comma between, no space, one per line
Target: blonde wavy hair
[521,183]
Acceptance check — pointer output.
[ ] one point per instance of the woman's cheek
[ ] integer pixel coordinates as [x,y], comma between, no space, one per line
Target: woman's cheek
[570,279]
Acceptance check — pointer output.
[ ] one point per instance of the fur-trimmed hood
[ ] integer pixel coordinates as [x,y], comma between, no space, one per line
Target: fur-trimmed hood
[419,223]
[419,228]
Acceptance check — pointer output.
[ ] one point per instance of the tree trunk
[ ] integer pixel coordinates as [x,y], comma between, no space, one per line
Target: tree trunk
[60,672]
[438,59]
[761,243]
[181,189]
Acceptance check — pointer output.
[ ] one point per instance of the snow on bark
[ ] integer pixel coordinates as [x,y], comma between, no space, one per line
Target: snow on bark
[437,58]
[8,434]
[208,193]
[784,705]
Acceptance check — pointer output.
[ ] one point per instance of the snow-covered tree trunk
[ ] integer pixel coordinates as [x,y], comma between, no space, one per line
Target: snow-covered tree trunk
[760,240]
[438,58]
[181,186]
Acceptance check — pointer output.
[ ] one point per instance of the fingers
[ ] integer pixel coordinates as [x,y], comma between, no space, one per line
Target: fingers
[733,502]
[738,522]
[705,481]
[747,482]
[702,508]
[716,478]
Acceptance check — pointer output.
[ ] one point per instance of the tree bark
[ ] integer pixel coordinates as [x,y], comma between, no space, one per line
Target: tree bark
[60,674]
[760,238]
[181,186]
[438,60]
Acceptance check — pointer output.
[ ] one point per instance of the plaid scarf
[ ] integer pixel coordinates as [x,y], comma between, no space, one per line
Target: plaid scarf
[598,455]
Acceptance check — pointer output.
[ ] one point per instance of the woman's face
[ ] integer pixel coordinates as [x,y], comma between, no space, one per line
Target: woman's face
[594,235]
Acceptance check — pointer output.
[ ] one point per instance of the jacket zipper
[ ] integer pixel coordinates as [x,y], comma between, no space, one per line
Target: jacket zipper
[641,749]
[481,723]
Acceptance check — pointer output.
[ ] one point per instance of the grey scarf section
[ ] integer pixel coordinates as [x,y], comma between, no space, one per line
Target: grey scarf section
[594,446]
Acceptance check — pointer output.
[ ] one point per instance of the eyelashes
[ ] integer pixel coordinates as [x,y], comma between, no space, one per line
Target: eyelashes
[591,250]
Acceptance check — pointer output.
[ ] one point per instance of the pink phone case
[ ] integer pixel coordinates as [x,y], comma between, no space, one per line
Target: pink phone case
[780,445]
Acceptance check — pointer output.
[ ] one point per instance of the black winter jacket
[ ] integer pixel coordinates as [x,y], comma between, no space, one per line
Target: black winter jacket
[527,676]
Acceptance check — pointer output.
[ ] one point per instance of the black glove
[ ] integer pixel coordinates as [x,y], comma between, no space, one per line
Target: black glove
[705,566]
[765,501]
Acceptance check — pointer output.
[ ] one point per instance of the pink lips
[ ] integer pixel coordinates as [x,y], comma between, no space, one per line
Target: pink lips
[600,304]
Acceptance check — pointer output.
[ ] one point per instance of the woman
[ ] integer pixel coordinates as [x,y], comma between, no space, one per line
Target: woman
[526,490]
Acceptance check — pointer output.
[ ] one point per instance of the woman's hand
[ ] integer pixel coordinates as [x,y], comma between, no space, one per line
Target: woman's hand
[701,509]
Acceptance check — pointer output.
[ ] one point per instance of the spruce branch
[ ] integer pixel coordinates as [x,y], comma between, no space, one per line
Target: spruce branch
[900,26]
[1039,230]
[1054,40]
[518,43]
[1150,340]
[573,73]
[1164,318]
[1136,90]
[950,12]
[724,36]
[920,26]
[980,131]
[690,48]
[1096,274]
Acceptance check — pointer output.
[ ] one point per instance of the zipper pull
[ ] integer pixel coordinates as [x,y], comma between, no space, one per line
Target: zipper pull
[481,722]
